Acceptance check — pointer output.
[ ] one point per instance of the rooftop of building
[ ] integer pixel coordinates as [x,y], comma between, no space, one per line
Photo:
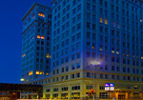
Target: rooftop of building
[20,87]
[34,5]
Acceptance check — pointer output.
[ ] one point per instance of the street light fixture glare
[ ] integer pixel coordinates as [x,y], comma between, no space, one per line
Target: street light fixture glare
[95,63]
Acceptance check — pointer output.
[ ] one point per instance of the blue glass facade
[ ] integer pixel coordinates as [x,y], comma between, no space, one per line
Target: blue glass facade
[109,31]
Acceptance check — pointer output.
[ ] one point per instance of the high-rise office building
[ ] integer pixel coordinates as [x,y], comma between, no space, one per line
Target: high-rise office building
[36,43]
[96,42]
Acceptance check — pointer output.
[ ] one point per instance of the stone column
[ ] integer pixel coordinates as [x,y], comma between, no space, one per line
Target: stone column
[59,94]
[126,95]
[141,94]
[69,92]
[97,90]
[82,91]
[44,93]
[131,94]
[51,93]
[116,95]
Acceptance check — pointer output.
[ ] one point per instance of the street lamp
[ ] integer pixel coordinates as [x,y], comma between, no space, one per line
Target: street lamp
[94,63]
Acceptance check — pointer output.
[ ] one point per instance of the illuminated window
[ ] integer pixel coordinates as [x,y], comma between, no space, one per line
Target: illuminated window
[106,21]
[142,58]
[41,14]
[37,72]
[141,20]
[38,36]
[117,52]
[101,49]
[30,73]
[47,73]
[41,73]
[42,37]
[93,47]
[101,20]
[133,56]
[48,56]
[113,51]
[22,79]
[23,55]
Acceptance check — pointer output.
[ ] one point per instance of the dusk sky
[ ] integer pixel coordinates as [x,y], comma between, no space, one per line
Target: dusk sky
[11,13]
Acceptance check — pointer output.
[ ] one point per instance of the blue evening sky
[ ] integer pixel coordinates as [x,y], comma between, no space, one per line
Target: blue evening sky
[11,13]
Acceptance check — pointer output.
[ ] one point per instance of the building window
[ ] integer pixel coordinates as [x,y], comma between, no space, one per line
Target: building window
[113,68]
[101,20]
[78,75]
[106,76]
[106,21]
[64,88]
[55,95]
[62,78]
[73,57]
[64,95]
[102,87]
[103,95]
[42,37]
[88,25]
[89,87]
[55,90]
[113,76]
[67,68]
[78,65]
[47,90]
[124,77]
[75,87]
[118,77]
[66,78]
[75,95]
[41,14]
[73,66]
[78,55]
[88,74]
[38,36]
[62,70]
[30,73]
[72,76]
[101,75]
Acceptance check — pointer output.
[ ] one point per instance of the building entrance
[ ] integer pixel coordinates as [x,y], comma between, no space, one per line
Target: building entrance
[121,96]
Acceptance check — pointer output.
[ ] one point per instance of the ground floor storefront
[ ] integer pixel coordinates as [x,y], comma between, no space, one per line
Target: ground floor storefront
[81,90]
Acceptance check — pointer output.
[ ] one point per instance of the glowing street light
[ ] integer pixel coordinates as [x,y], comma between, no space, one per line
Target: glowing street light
[94,63]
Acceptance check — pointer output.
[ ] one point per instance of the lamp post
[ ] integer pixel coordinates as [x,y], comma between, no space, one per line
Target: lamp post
[94,63]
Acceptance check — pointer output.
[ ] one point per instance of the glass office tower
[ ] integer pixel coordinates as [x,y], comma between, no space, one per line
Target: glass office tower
[36,43]
[95,42]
